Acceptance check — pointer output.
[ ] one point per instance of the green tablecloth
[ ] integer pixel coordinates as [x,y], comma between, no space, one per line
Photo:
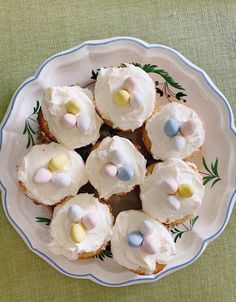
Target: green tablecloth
[31,31]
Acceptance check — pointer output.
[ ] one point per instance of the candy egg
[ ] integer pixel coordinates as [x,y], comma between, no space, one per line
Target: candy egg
[136,100]
[178,142]
[185,190]
[109,170]
[68,120]
[125,173]
[83,122]
[129,84]
[149,246]
[116,156]
[187,128]
[42,176]
[173,203]
[169,186]
[121,97]
[146,227]
[90,220]
[171,127]
[77,232]
[72,107]
[57,162]
[61,179]
[134,239]
[75,213]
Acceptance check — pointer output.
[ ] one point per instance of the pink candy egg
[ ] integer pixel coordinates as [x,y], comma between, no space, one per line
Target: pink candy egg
[109,170]
[149,245]
[68,120]
[187,128]
[42,176]
[90,220]
[129,84]
[169,186]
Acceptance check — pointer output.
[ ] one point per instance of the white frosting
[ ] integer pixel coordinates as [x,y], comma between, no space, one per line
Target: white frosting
[125,117]
[136,258]
[105,185]
[48,193]
[95,238]
[53,108]
[154,199]
[161,144]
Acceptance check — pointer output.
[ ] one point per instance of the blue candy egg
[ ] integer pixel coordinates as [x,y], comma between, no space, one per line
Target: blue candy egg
[134,239]
[125,173]
[171,127]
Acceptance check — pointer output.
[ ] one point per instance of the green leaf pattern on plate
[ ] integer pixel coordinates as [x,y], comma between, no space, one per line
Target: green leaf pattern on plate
[178,231]
[212,173]
[28,129]
[43,220]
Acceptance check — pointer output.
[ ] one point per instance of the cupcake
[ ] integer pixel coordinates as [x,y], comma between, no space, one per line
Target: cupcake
[115,166]
[80,227]
[140,243]
[50,173]
[172,192]
[68,116]
[173,131]
[125,97]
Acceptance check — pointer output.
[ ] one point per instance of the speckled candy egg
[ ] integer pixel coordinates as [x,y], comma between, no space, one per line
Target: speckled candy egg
[125,173]
[134,239]
[171,127]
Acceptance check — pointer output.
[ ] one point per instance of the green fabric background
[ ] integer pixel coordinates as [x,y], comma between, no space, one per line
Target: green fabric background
[30,32]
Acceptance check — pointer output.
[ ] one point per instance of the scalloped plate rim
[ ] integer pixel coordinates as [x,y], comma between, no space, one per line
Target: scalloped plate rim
[231,200]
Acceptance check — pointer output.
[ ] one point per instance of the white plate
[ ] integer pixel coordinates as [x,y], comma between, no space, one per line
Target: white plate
[75,65]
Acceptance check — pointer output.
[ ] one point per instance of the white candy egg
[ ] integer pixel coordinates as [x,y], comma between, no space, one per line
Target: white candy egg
[178,142]
[83,122]
[61,179]
[75,213]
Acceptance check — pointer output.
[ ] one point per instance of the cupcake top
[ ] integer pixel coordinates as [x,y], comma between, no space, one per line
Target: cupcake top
[80,225]
[51,172]
[173,191]
[115,166]
[71,116]
[125,96]
[174,131]
[139,241]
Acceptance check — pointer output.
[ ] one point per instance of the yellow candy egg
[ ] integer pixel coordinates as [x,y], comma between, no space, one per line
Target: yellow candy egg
[77,232]
[57,162]
[185,190]
[72,107]
[121,97]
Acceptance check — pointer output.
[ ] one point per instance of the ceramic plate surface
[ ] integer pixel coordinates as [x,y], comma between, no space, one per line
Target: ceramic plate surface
[177,79]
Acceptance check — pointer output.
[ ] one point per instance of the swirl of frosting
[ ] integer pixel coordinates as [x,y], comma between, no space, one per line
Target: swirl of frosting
[162,146]
[39,157]
[136,258]
[126,117]
[53,108]
[155,199]
[129,156]
[96,238]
